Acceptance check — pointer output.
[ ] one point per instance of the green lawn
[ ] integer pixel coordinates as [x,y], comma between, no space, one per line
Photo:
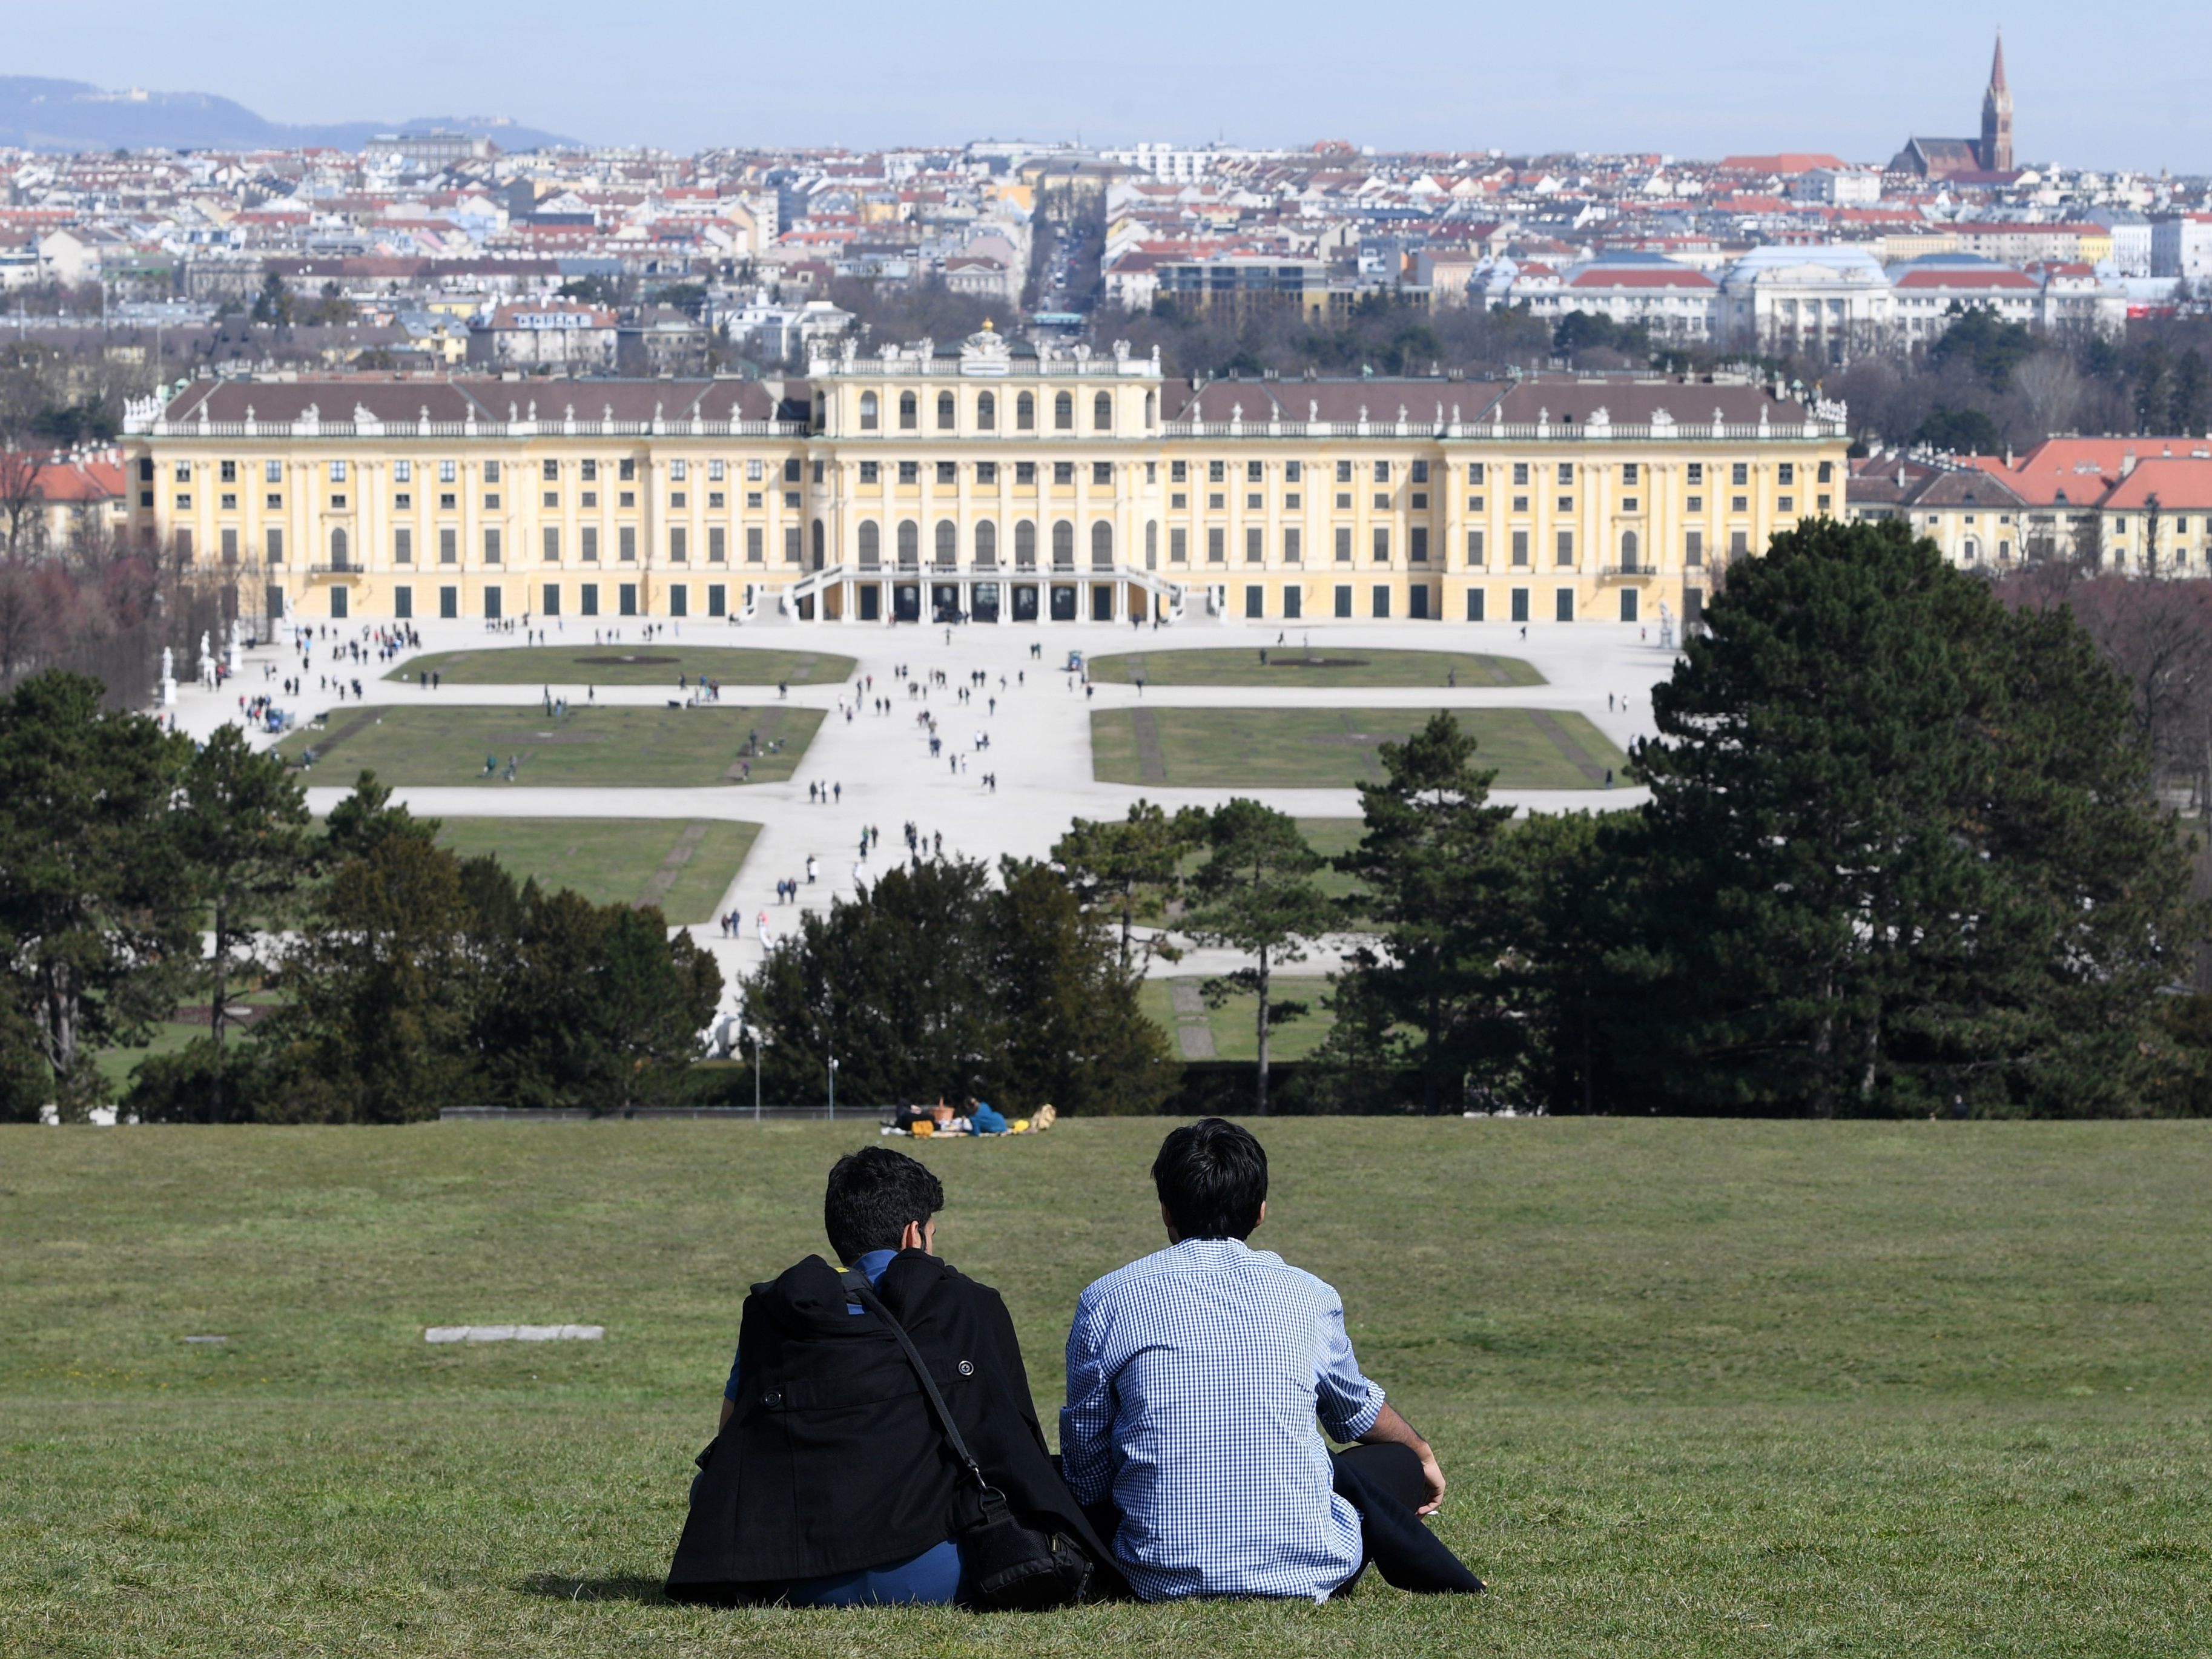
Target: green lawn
[587,747]
[1320,664]
[1701,1389]
[683,866]
[1334,747]
[1234,1026]
[659,662]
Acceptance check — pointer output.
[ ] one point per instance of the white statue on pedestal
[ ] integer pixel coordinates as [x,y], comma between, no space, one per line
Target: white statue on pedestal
[1666,627]
[237,646]
[168,678]
[207,663]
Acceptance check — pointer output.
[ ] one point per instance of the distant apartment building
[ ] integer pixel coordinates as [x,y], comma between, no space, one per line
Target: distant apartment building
[1838,186]
[2181,245]
[2020,244]
[1239,284]
[1672,302]
[429,150]
[568,338]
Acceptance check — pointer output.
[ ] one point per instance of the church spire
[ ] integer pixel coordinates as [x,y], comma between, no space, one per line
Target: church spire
[1995,151]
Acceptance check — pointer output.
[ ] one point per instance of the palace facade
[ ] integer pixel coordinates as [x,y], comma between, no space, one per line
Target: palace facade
[980,480]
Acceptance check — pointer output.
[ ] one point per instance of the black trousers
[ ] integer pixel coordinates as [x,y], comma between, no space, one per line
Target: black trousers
[1384,1483]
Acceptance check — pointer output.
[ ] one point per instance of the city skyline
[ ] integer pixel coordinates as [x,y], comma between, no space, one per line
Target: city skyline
[1727,85]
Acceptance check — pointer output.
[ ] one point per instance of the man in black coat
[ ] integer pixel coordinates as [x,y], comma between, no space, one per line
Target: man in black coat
[831,1482]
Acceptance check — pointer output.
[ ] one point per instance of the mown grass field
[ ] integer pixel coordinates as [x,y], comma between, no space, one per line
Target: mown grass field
[684,866]
[1311,665]
[578,663]
[1233,1027]
[1335,748]
[587,747]
[1701,1389]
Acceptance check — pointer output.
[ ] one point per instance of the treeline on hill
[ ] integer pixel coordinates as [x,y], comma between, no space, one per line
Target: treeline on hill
[405,978]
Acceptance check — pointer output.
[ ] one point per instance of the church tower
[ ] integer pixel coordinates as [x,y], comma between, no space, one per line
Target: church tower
[1997,117]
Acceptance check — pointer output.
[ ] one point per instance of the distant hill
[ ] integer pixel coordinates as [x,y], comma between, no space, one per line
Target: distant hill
[36,113]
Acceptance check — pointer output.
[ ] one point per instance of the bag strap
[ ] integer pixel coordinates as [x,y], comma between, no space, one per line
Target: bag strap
[857,1285]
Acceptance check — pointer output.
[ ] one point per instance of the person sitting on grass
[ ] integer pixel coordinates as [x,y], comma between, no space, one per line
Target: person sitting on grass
[1194,1378]
[831,1482]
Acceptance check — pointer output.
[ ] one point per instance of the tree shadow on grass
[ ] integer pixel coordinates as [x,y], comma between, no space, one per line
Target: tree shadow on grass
[568,1587]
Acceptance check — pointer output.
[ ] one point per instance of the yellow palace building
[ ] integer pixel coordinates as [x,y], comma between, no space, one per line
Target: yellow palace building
[987,480]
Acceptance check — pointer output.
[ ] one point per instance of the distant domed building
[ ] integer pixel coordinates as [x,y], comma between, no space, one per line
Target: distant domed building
[1967,160]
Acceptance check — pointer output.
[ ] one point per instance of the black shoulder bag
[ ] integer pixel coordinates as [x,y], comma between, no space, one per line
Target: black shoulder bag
[1010,1567]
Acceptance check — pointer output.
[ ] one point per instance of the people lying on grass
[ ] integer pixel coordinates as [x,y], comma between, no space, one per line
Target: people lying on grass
[1195,1378]
[831,1482]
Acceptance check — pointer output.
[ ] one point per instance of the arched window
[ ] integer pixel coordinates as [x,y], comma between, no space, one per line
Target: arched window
[1151,544]
[1628,550]
[948,542]
[868,408]
[1063,413]
[1969,548]
[944,411]
[1025,541]
[821,543]
[871,543]
[1152,410]
[1063,544]
[1102,412]
[1102,545]
[1025,413]
[987,413]
[986,543]
[338,549]
[909,543]
[909,412]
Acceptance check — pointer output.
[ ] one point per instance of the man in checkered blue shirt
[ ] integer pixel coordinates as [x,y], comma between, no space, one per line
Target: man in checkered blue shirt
[1195,1379]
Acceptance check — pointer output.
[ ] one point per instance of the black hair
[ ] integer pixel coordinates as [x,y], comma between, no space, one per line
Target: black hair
[1212,1176]
[872,1194]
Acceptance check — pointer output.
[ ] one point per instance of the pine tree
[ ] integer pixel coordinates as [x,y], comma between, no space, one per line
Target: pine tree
[1256,895]
[1437,889]
[240,824]
[1899,845]
[94,899]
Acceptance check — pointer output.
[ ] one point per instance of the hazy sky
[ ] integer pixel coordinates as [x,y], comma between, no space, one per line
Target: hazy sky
[1703,79]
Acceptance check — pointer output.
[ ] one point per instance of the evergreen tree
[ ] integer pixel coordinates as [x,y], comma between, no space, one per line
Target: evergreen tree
[934,983]
[585,1004]
[240,824]
[94,899]
[1899,844]
[1256,895]
[1075,1036]
[386,988]
[366,817]
[1121,866]
[1437,892]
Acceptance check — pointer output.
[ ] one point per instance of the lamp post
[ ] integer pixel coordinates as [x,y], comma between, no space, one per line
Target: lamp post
[833,1088]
